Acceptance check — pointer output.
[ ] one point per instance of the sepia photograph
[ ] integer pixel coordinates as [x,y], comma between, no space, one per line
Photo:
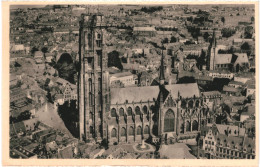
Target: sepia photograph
[132,81]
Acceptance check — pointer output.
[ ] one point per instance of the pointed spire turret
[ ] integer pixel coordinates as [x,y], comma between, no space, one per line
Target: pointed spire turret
[214,41]
[161,76]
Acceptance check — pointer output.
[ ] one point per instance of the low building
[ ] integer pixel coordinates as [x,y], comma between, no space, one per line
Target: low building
[235,84]
[69,92]
[204,80]
[144,31]
[126,78]
[221,74]
[48,57]
[20,152]
[226,142]
[232,91]
[250,90]
[38,54]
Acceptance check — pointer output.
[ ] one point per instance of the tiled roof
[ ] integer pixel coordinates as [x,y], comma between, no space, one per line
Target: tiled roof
[123,74]
[241,58]
[211,93]
[185,90]
[144,29]
[223,59]
[230,89]
[134,94]
[231,129]
[236,83]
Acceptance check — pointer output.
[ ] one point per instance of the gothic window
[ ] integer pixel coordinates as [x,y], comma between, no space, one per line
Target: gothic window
[139,130]
[190,104]
[197,103]
[131,131]
[121,112]
[145,109]
[129,111]
[90,84]
[100,129]
[113,112]
[202,122]
[194,125]
[99,36]
[137,110]
[113,132]
[99,84]
[188,126]
[91,130]
[90,62]
[99,54]
[91,116]
[99,98]
[169,121]
[146,129]
[100,114]
[183,104]
[98,43]
[123,131]
[182,128]
[170,102]
[89,41]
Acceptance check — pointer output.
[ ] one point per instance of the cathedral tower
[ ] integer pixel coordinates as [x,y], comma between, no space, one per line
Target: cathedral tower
[93,85]
[212,52]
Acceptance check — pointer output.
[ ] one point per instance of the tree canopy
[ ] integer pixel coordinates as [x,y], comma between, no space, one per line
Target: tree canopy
[151,9]
[114,60]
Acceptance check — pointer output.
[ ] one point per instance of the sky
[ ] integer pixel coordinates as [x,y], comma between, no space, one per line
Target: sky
[26,6]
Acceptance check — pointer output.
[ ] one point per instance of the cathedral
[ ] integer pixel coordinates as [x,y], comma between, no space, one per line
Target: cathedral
[163,113]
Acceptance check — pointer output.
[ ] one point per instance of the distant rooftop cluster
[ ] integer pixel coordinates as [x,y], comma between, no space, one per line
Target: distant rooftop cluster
[132,81]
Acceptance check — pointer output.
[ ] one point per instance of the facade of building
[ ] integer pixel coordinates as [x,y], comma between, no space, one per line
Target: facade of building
[144,31]
[226,142]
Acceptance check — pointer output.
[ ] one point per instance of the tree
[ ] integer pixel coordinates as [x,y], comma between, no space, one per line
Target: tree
[201,60]
[186,79]
[227,32]
[223,20]
[34,49]
[173,39]
[44,49]
[165,40]
[245,46]
[104,143]
[24,115]
[114,60]
[248,32]
[206,36]
[252,19]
